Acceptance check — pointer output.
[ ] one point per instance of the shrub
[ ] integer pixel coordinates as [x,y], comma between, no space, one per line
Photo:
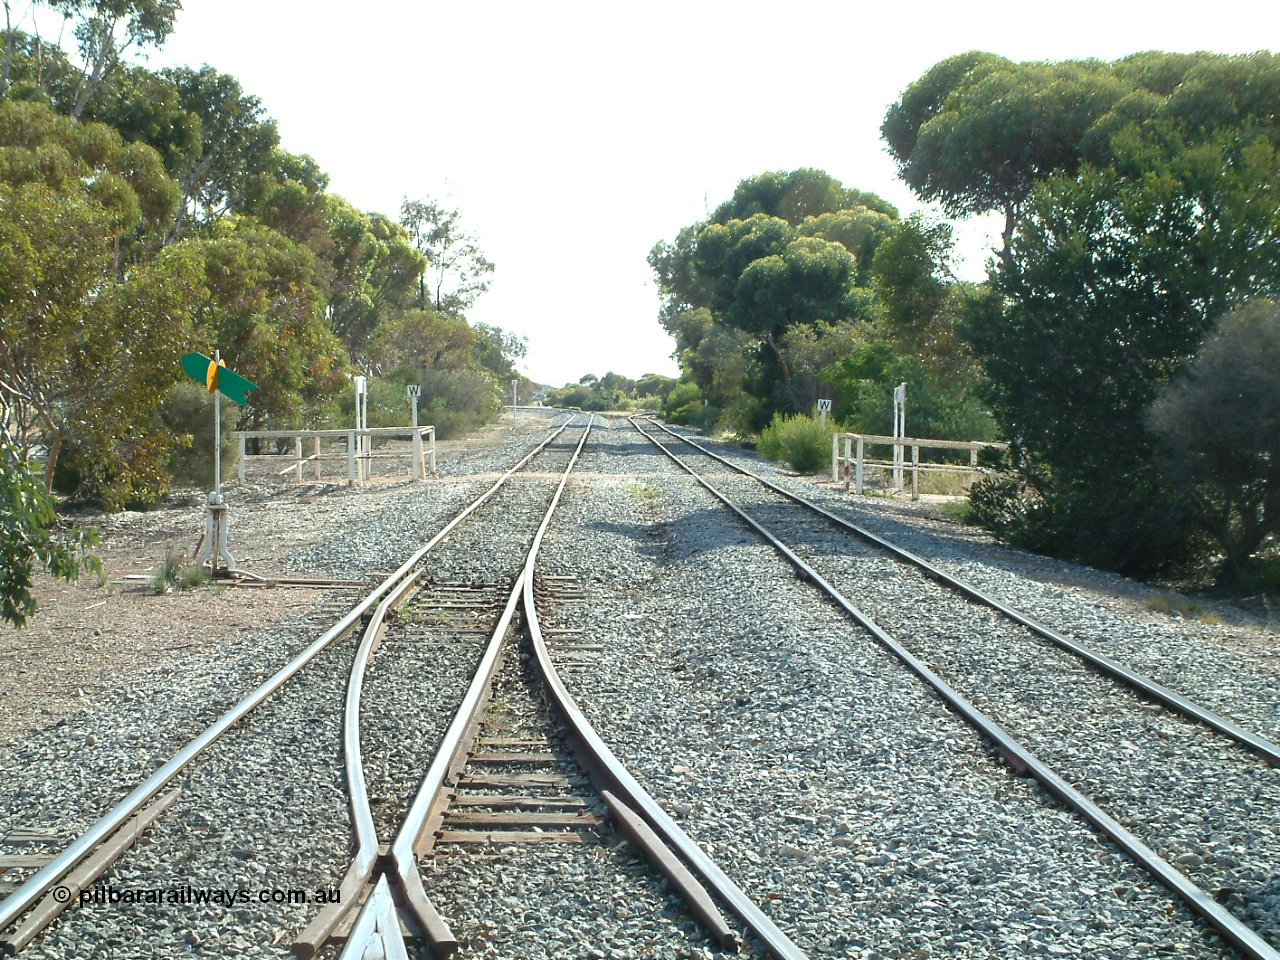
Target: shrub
[29,539]
[187,415]
[802,442]
[684,403]
[1220,426]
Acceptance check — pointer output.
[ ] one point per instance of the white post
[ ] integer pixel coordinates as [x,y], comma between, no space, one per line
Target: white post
[357,437]
[915,473]
[513,394]
[432,430]
[858,476]
[351,458]
[215,546]
[414,392]
[297,454]
[899,432]
[243,450]
[835,458]
[217,436]
[366,440]
[315,461]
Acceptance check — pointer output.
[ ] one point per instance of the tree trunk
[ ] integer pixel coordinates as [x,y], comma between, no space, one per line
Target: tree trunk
[90,82]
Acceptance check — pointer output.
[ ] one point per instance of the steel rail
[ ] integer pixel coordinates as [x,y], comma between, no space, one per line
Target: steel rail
[1269,751]
[401,861]
[362,868]
[23,898]
[630,790]
[1225,923]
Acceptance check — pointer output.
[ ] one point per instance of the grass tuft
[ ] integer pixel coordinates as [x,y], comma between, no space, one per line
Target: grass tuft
[1173,604]
[174,573]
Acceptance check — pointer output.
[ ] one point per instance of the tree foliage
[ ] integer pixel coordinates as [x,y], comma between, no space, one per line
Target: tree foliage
[977,132]
[262,307]
[1140,202]
[789,252]
[105,30]
[88,332]
[456,272]
[780,296]
[1218,427]
[28,541]
[144,214]
[237,140]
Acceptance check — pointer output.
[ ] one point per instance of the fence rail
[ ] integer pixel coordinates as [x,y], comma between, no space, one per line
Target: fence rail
[358,453]
[854,464]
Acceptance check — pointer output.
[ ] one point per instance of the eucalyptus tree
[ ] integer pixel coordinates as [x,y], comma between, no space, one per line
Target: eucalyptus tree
[1113,282]
[237,141]
[787,257]
[1139,200]
[457,272]
[88,331]
[104,31]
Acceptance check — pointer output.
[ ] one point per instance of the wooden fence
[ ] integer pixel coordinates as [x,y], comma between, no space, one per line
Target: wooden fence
[852,466]
[357,453]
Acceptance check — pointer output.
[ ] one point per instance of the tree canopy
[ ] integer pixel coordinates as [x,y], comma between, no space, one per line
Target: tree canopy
[977,132]
[147,213]
[1141,203]
[791,277]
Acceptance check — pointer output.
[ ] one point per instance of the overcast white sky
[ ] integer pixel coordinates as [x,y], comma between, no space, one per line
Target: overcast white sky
[575,135]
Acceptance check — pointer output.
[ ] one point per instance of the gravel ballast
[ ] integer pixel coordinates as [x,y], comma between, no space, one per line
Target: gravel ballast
[265,809]
[865,818]
[832,785]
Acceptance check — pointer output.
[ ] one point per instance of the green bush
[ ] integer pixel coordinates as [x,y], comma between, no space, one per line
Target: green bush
[683,404]
[29,539]
[802,442]
[188,416]
[1219,427]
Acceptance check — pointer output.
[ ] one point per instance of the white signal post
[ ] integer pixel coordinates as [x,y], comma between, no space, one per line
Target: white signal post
[362,415]
[217,435]
[415,391]
[899,431]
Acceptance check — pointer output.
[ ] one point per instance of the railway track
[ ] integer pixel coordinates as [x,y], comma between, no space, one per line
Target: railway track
[450,806]
[915,609]
[62,869]
[530,773]
[521,798]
